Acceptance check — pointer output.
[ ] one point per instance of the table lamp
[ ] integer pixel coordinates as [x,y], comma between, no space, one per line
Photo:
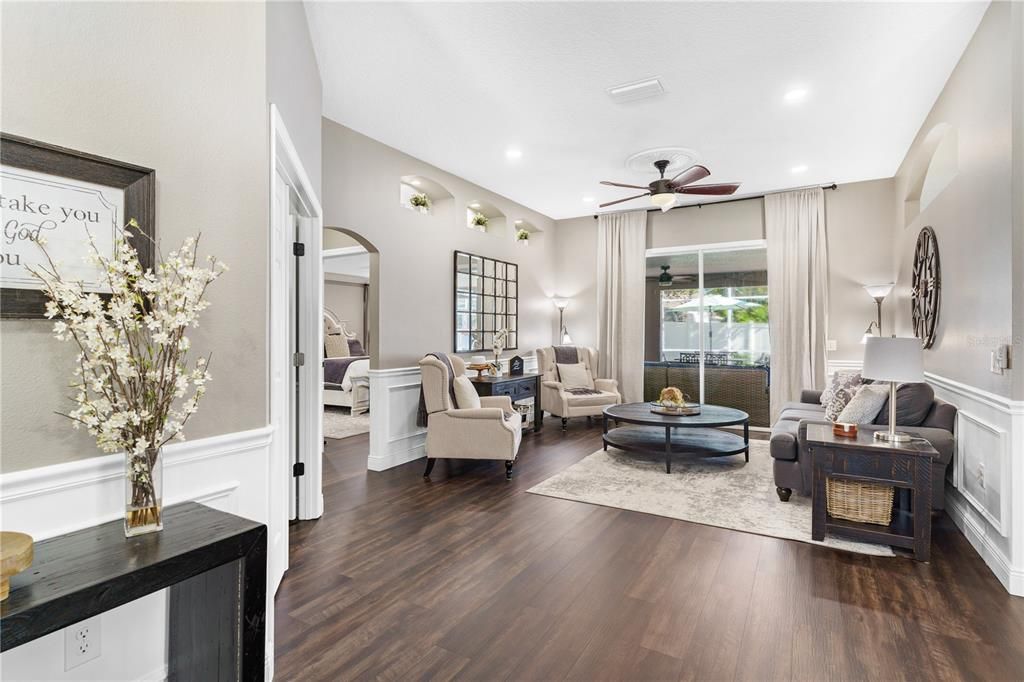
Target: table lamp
[896,360]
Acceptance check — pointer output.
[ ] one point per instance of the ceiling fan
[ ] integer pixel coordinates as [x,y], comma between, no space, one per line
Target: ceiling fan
[663,192]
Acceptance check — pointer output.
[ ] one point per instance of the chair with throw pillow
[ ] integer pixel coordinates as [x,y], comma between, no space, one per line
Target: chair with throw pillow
[460,424]
[568,387]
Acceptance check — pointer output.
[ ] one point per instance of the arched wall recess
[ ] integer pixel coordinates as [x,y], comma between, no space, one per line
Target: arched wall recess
[372,329]
[495,218]
[933,171]
[410,186]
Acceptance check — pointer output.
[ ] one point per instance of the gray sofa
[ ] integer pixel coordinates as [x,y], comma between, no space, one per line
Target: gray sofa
[789,442]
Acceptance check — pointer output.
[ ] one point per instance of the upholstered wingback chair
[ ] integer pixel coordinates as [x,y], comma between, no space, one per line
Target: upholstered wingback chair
[491,431]
[558,401]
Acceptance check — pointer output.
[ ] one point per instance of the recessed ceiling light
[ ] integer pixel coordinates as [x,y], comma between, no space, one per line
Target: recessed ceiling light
[795,96]
[587,200]
[416,183]
[519,222]
[798,169]
[474,205]
[512,153]
[628,92]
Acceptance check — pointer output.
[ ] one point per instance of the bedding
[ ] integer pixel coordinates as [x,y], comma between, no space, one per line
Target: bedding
[338,372]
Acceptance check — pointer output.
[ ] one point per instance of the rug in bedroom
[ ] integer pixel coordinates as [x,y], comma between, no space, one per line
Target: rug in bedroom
[340,423]
[724,492]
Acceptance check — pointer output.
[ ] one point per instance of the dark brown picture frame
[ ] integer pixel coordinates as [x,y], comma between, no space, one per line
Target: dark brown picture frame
[137,182]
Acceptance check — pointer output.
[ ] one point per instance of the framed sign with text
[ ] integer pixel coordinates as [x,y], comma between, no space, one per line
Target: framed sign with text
[67,197]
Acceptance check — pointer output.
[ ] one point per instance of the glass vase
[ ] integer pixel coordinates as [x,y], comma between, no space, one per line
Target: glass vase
[143,487]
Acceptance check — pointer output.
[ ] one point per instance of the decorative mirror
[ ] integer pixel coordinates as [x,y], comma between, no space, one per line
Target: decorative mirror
[486,301]
[926,287]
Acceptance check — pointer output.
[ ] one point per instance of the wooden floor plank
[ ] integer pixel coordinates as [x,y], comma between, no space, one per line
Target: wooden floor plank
[468,576]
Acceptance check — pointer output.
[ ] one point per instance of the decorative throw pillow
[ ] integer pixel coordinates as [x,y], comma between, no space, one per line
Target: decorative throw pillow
[841,397]
[336,346]
[466,397]
[913,403]
[355,348]
[848,381]
[575,376]
[864,406]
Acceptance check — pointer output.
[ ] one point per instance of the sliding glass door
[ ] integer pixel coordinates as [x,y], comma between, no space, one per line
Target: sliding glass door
[713,338]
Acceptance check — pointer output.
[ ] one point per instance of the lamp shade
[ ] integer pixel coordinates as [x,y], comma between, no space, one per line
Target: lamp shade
[560,303]
[879,290]
[893,359]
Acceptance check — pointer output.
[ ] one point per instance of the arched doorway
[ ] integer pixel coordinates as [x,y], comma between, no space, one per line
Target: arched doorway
[351,331]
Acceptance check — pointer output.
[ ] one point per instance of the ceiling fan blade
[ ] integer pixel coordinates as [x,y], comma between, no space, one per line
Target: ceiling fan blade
[724,188]
[691,174]
[620,184]
[619,201]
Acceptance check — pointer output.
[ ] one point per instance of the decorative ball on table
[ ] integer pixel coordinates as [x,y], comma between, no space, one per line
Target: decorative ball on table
[671,397]
[15,557]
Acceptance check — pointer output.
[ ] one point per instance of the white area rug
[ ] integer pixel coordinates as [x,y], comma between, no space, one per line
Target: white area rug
[724,492]
[339,423]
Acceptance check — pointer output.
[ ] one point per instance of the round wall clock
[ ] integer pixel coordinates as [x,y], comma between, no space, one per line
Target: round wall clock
[925,288]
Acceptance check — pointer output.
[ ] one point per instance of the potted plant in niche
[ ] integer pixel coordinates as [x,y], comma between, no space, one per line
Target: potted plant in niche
[420,201]
[523,237]
[134,386]
[479,221]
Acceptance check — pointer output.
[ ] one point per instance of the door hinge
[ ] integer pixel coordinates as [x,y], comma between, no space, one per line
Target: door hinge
[298,359]
[298,469]
[298,249]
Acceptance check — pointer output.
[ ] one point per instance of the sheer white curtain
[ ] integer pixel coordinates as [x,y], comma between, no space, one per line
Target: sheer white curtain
[621,263]
[797,292]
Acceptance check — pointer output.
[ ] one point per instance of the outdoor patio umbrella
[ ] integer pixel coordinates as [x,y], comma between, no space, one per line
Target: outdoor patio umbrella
[714,302]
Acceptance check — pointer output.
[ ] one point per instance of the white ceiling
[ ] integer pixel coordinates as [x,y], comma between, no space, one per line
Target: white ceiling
[457,84]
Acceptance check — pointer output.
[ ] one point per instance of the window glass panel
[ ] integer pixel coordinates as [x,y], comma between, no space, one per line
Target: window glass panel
[510,306]
[488,339]
[488,323]
[476,264]
[488,304]
[476,302]
[488,285]
[511,290]
[476,322]
[499,287]
[462,302]
[462,342]
[499,270]
[489,267]
[513,271]
[499,305]
[476,283]
[462,321]
[462,282]
[462,262]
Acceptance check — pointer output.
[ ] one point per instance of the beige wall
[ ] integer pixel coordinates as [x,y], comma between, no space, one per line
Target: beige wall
[179,88]
[972,216]
[361,193]
[711,224]
[1017,249]
[345,299]
[293,82]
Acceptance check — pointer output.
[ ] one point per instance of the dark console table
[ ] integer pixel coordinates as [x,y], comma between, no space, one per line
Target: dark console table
[214,563]
[906,466]
[520,387]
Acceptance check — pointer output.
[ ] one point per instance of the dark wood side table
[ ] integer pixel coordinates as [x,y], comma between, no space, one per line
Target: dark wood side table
[520,387]
[905,466]
[214,563]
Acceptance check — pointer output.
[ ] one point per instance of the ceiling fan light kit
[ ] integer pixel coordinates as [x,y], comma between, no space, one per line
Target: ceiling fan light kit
[663,191]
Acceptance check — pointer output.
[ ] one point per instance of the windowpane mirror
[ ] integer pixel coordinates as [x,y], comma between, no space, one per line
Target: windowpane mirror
[486,297]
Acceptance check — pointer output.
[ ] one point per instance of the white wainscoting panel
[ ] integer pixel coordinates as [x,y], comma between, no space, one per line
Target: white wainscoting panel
[226,472]
[986,500]
[394,400]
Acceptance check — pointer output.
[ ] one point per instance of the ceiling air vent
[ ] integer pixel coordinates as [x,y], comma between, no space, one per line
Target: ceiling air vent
[630,92]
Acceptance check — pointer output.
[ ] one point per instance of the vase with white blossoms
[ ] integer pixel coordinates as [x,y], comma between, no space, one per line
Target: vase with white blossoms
[134,387]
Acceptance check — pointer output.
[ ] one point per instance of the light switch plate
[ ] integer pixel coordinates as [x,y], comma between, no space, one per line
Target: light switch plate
[831,345]
[999,360]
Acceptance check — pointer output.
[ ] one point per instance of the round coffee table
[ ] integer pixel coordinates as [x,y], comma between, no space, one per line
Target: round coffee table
[695,436]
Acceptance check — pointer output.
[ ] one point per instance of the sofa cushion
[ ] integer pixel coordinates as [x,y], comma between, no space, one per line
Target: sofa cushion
[913,403]
[812,412]
[783,444]
[864,407]
[602,398]
[575,376]
[840,391]
[466,397]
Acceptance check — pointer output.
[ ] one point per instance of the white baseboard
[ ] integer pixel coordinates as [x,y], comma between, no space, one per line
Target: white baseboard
[227,472]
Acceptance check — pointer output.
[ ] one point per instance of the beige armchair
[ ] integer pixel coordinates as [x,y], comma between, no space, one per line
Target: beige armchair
[491,431]
[561,403]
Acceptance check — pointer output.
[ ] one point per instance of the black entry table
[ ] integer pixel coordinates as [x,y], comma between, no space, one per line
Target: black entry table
[214,563]
[693,436]
[905,466]
[519,387]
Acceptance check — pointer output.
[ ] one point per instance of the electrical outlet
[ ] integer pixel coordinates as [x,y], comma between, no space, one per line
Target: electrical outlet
[81,642]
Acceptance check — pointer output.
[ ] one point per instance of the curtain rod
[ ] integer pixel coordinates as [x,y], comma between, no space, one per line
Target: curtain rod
[729,201]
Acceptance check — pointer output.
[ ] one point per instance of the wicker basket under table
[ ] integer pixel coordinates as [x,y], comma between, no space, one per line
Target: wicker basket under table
[856,501]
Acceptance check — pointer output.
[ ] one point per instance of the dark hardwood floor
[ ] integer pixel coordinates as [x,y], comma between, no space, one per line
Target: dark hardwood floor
[467,576]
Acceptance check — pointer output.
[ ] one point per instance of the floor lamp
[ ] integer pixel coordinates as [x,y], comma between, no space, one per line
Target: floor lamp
[563,333]
[877,292]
